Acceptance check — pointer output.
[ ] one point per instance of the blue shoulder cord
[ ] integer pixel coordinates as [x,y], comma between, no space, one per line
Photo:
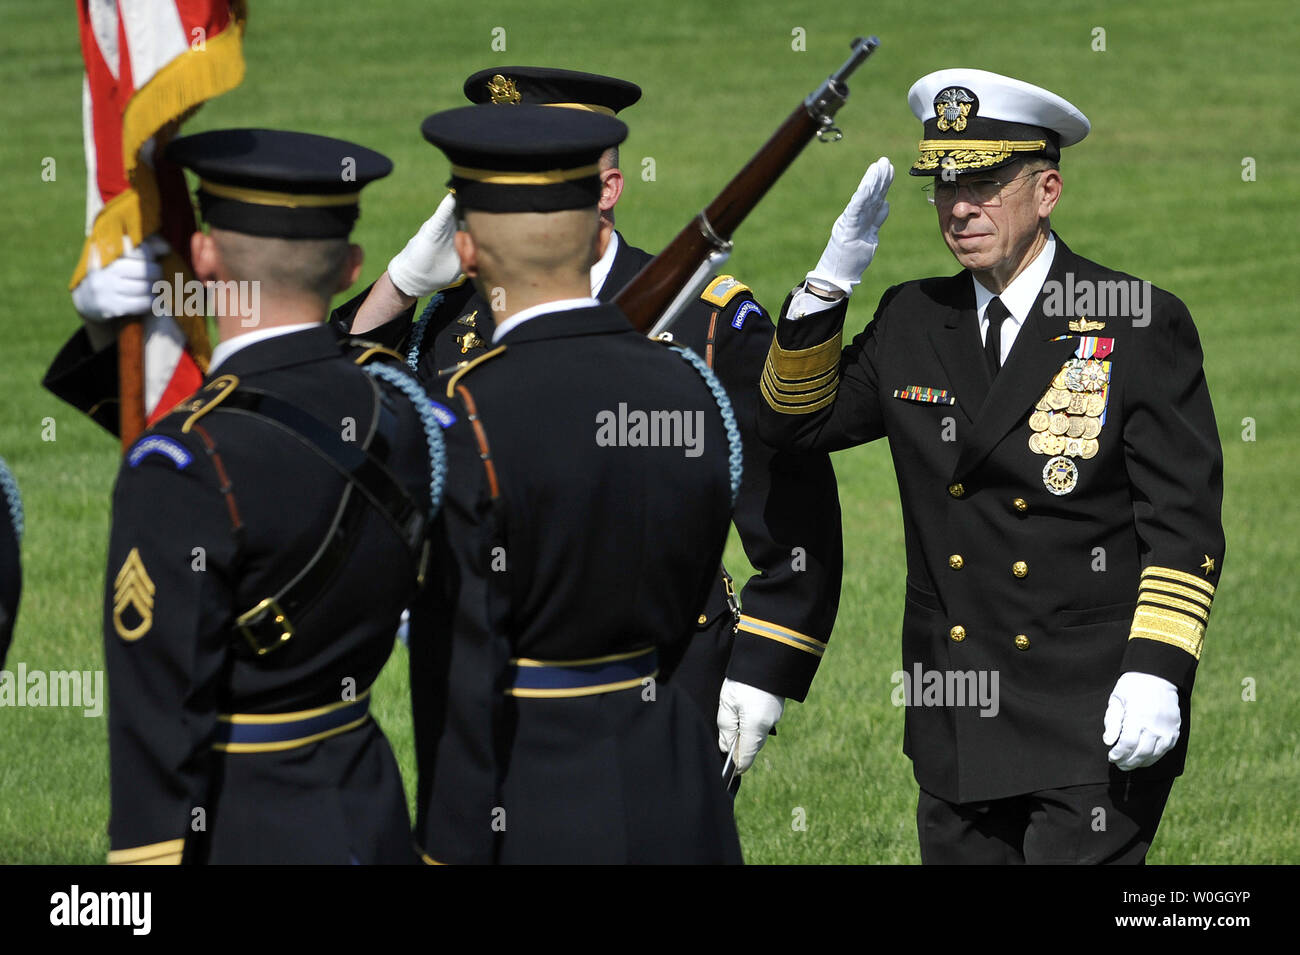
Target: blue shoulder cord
[9,488]
[417,332]
[735,459]
[408,386]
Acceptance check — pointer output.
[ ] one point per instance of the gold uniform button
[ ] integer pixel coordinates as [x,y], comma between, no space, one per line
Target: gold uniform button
[957,490]
[958,634]
[1020,504]
[703,620]
[1020,568]
[956,562]
[1022,642]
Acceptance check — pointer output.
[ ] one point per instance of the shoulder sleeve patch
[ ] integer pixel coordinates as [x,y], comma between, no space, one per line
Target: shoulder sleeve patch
[738,320]
[169,448]
[445,416]
[722,290]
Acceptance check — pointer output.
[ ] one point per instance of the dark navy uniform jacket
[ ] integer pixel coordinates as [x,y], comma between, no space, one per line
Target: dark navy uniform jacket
[573,552]
[219,754]
[1054,567]
[787,515]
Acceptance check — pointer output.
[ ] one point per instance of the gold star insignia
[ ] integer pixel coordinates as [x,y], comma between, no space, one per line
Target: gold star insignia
[1208,566]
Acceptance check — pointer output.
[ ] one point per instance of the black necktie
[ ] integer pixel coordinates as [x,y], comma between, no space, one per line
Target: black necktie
[996,313]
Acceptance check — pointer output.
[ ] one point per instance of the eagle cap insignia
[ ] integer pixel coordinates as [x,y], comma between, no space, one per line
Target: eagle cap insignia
[953,107]
[503,90]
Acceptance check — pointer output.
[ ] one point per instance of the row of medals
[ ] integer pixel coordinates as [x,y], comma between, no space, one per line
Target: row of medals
[1067,420]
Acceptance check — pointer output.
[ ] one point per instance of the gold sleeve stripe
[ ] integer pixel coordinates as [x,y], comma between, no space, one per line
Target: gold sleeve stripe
[803,392]
[429,860]
[1168,626]
[1178,576]
[773,631]
[1155,585]
[156,853]
[799,363]
[794,385]
[1191,609]
[774,401]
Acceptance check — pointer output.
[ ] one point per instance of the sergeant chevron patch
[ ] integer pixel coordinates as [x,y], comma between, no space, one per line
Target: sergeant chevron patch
[133,590]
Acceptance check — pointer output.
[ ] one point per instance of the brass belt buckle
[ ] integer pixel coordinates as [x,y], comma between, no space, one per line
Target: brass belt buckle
[268,618]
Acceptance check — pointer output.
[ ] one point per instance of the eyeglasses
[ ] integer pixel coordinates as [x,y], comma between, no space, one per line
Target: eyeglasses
[981,192]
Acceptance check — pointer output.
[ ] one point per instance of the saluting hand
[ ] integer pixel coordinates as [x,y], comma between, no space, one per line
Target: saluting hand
[428,261]
[1142,720]
[856,232]
[745,716]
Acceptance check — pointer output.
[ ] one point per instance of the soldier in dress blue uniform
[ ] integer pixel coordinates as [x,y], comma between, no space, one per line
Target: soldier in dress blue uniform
[591,478]
[11,571]
[747,654]
[1061,479]
[266,535]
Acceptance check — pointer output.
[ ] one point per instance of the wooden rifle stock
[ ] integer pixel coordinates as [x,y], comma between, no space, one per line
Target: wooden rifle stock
[645,299]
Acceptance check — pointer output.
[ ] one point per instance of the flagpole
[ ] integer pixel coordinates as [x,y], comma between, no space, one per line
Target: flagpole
[130,376]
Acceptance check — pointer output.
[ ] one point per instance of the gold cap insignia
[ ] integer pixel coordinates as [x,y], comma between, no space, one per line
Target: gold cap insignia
[503,90]
[132,589]
[953,107]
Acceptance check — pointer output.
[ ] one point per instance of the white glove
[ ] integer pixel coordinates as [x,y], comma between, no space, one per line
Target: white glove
[856,232]
[124,286]
[429,260]
[1142,720]
[745,714]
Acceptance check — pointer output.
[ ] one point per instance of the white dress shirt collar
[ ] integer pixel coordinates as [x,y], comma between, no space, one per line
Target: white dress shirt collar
[600,271]
[1019,296]
[517,319]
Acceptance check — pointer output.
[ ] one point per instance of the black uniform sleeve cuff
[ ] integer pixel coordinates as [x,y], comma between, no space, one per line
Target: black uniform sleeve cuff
[772,665]
[1160,659]
[392,334]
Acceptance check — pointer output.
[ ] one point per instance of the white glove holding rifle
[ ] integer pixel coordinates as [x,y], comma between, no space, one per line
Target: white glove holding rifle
[429,261]
[745,716]
[852,245]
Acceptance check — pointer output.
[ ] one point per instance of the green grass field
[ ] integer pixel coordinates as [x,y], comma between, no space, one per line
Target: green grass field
[1183,92]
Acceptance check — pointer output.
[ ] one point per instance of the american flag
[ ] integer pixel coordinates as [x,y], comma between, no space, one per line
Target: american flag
[149,65]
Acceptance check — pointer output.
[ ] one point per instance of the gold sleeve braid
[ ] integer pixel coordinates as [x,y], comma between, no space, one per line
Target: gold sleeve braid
[803,380]
[1174,608]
